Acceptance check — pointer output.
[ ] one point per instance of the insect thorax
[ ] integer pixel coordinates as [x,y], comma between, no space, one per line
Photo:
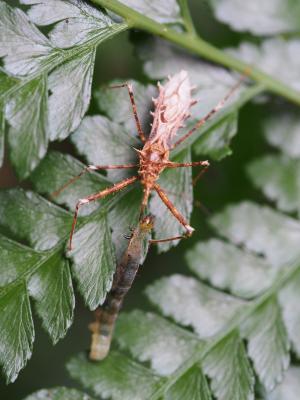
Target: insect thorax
[152,156]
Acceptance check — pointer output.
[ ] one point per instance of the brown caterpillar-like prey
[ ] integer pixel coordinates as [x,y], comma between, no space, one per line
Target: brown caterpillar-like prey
[106,315]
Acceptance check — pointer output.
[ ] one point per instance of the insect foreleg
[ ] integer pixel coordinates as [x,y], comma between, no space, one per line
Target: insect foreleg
[115,188]
[134,109]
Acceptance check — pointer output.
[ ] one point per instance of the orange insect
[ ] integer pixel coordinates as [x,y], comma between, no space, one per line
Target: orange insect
[172,108]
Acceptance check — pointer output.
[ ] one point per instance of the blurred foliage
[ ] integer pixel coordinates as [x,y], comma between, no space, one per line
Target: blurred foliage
[236,322]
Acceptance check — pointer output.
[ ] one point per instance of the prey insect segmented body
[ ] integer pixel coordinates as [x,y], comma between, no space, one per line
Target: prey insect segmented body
[172,108]
[106,315]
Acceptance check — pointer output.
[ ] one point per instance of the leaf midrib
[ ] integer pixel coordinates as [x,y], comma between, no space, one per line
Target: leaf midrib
[284,276]
[59,247]
[61,56]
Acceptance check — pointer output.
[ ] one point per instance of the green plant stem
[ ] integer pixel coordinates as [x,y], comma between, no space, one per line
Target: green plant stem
[198,46]
[186,15]
[60,56]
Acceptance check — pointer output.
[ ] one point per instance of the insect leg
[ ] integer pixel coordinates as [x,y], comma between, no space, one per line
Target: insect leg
[171,164]
[200,174]
[155,241]
[204,164]
[162,194]
[211,112]
[90,168]
[147,190]
[115,188]
[134,109]
[197,203]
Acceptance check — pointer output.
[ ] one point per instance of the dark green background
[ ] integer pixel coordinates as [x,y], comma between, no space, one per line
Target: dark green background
[225,182]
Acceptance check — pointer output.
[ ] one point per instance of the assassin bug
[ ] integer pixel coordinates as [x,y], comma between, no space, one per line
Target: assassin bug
[171,110]
[106,315]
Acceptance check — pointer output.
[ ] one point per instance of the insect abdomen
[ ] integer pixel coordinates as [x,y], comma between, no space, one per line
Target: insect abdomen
[171,108]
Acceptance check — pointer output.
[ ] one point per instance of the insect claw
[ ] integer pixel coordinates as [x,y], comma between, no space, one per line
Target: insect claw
[193,102]
[152,113]
[83,201]
[127,237]
[189,230]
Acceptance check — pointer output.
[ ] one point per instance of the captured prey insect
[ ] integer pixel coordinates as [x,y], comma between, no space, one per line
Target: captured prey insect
[106,315]
[172,108]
